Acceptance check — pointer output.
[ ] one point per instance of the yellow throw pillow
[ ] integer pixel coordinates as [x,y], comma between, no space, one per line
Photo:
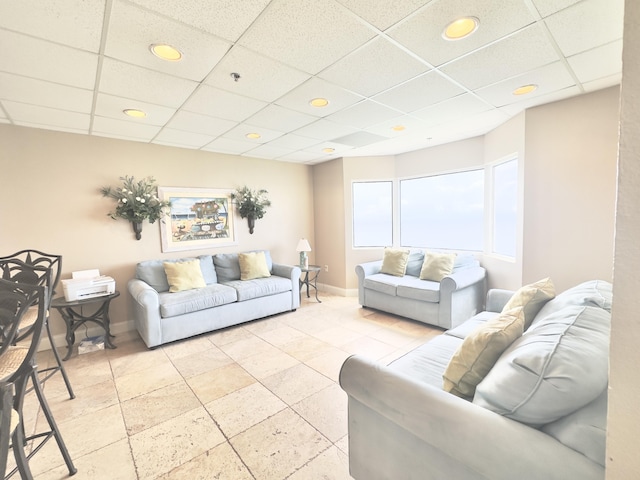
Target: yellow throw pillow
[532,298]
[395,261]
[253,265]
[480,350]
[436,266]
[184,275]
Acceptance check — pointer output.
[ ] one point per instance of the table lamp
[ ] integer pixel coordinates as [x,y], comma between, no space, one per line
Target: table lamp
[303,247]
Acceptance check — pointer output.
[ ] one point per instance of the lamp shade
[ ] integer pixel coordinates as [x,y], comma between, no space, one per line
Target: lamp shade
[303,246]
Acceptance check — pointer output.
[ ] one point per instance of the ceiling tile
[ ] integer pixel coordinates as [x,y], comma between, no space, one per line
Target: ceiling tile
[454,109]
[324,129]
[515,108]
[36,115]
[260,77]
[549,78]
[130,81]
[241,131]
[420,92]
[300,157]
[360,71]
[411,125]
[195,122]
[46,94]
[311,38]
[41,59]
[294,142]
[298,99]
[587,25]
[268,151]
[363,114]
[604,82]
[422,33]
[229,145]
[519,53]
[320,149]
[180,138]
[383,14]
[221,104]
[77,23]
[598,62]
[113,107]
[224,18]
[122,129]
[133,30]
[287,120]
[548,7]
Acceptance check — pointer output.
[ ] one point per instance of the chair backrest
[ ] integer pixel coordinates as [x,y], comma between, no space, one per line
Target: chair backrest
[41,259]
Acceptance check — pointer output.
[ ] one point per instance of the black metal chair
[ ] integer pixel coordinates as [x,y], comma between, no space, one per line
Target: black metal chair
[18,361]
[9,420]
[53,262]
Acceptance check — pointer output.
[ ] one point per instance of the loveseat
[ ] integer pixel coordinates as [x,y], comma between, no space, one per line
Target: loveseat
[223,298]
[539,413]
[445,303]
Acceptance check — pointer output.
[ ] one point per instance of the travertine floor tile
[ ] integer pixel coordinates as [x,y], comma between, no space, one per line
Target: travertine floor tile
[127,364]
[145,381]
[306,347]
[201,361]
[186,347]
[278,446]
[326,410]
[220,463]
[247,347]
[281,335]
[296,383]
[88,400]
[244,408]
[329,363]
[219,382]
[332,464]
[368,346]
[261,366]
[229,335]
[160,449]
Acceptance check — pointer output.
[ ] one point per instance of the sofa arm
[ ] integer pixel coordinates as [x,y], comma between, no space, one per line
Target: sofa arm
[364,270]
[483,442]
[462,295]
[291,272]
[146,311]
[497,298]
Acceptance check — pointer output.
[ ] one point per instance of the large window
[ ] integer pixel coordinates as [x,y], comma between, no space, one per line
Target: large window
[443,211]
[505,207]
[372,214]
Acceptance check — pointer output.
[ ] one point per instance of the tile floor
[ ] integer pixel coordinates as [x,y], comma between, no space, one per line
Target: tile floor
[255,401]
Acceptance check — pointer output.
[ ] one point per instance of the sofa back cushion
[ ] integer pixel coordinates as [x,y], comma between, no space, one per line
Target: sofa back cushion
[414,263]
[559,365]
[594,293]
[228,266]
[152,271]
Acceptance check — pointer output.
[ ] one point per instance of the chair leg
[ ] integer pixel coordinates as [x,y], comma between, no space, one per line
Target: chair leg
[22,465]
[52,424]
[59,367]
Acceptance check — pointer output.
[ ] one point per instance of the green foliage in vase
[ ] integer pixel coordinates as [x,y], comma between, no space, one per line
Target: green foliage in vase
[137,200]
[251,202]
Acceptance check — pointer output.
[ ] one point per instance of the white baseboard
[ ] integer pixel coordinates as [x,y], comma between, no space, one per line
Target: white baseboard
[341,292]
[124,331]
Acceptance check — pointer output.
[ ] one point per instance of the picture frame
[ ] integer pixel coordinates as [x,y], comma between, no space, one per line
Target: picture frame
[198,218]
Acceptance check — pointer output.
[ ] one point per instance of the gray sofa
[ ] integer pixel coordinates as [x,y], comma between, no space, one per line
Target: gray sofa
[540,413]
[445,304]
[161,316]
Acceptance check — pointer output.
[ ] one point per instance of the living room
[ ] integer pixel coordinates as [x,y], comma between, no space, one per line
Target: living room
[568,150]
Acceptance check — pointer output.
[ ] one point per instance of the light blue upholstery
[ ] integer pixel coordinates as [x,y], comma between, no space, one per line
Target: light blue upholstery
[403,425]
[161,316]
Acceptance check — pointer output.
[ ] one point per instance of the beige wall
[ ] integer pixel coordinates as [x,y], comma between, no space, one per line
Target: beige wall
[570,187]
[623,461]
[50,200]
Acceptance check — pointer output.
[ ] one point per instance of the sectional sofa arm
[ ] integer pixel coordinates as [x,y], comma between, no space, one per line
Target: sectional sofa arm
[489,444]
[146,311]
[497,298]
[463,278]
[369,268]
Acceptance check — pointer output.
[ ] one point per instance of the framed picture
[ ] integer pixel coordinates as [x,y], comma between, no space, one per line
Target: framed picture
[198,218]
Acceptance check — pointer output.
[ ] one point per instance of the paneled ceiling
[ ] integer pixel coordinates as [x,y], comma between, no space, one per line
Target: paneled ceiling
[76,65]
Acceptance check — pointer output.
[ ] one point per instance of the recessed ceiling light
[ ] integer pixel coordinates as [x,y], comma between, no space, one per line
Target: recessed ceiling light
[253,135]
[132,112]
[328,150]
[460,28]
[523,90]
[319,102]
[165,52]
[398,128]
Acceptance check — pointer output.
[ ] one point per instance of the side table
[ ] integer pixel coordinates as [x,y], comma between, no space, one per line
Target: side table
[74,317]
[311,281]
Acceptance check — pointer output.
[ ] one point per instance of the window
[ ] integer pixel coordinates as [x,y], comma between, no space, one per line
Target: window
[372,214]
[505,207]
[443,211]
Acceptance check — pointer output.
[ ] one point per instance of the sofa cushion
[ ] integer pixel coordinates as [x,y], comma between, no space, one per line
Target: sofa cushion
[253,265]
[394,261]
[595,293]
[480,350]
[423,290]
[468,326]
[381,282]
[557,366]
[259,287]
[187,301]
[184,275]
[464,260]
[532,297]
[152,271]
[414,263]
[228,266]
[436,266]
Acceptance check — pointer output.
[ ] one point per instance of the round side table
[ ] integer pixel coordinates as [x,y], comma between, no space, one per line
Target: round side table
[310,279]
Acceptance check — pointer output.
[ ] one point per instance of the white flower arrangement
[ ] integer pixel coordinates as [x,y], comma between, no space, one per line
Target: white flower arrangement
[136,201]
